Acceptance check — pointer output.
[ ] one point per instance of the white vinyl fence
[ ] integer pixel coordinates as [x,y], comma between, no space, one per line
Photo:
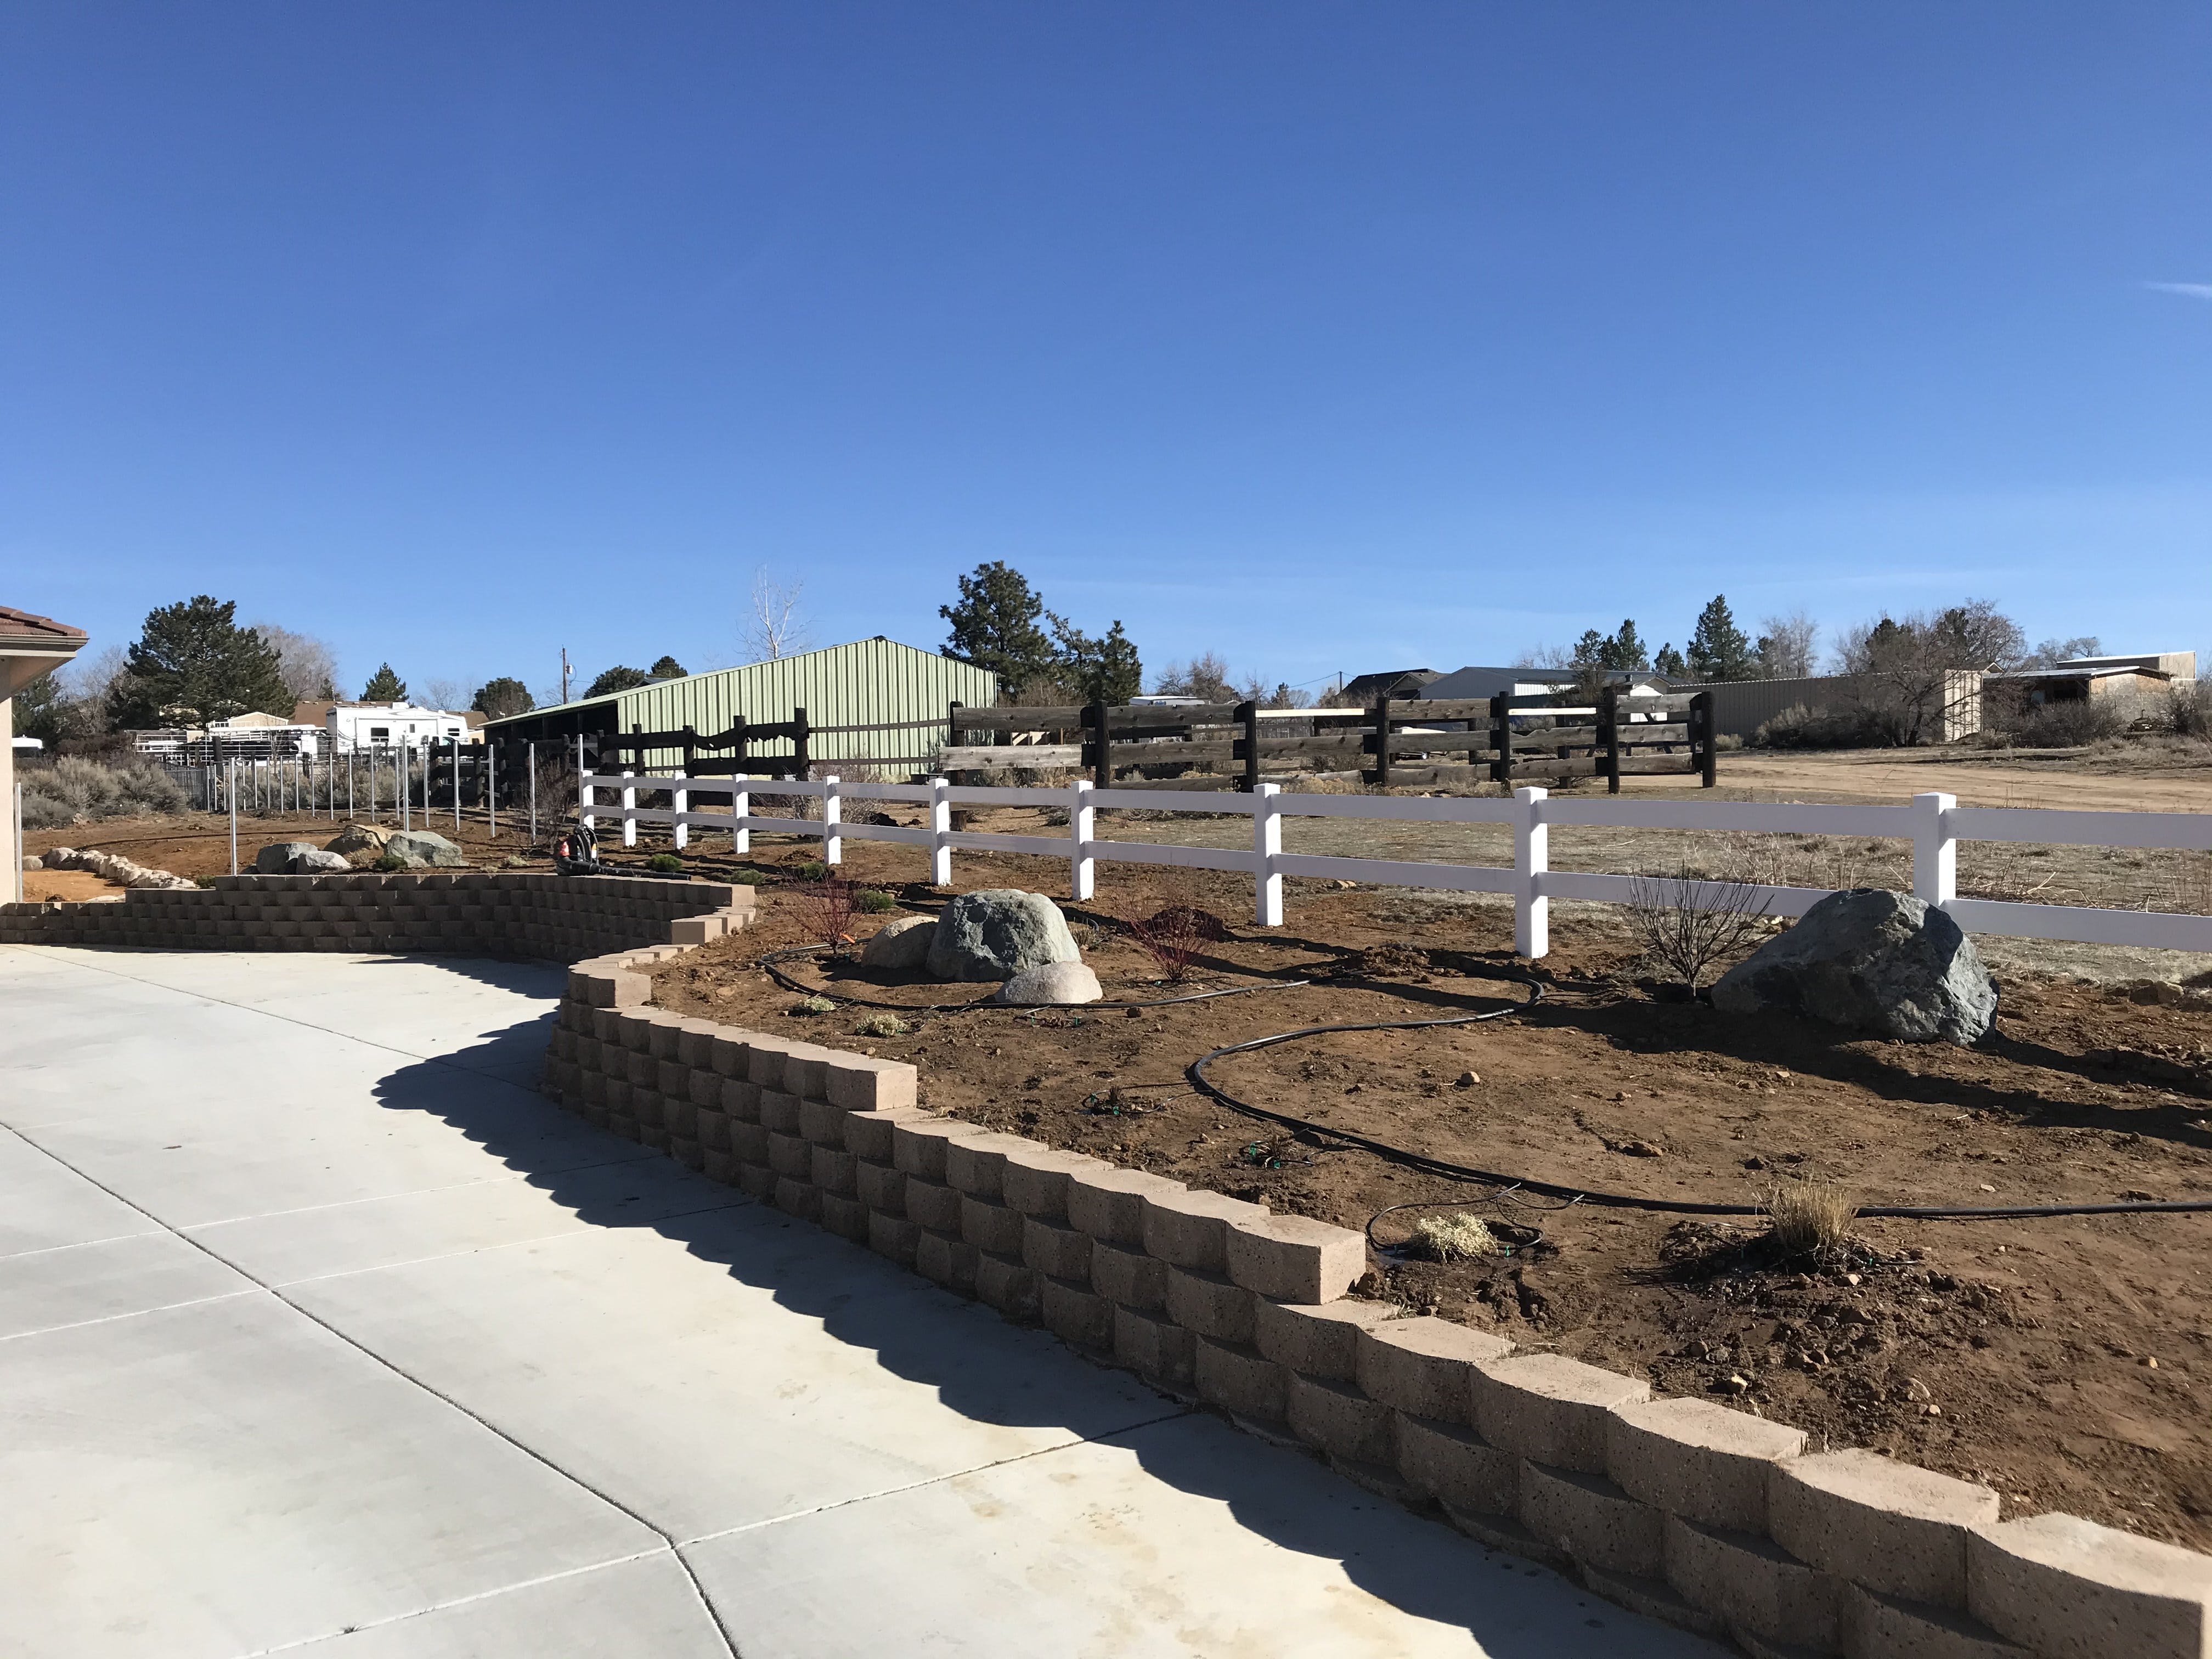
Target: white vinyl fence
[1934,823]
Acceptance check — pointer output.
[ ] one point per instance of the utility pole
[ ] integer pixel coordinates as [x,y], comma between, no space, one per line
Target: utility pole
[564,673]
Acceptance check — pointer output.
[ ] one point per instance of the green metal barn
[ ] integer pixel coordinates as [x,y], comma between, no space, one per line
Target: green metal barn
[869,683]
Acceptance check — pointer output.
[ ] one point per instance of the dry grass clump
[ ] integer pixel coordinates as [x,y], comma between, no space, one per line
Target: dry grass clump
[882,1025]
[1453,1237]
[1808,1218]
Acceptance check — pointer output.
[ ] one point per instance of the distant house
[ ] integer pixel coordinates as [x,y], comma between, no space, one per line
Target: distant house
[359,728]
[1526,682]
[2098,679]
[1365,689]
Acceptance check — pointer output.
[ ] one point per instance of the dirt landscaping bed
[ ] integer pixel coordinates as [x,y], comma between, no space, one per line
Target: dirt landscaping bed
[2061,1361]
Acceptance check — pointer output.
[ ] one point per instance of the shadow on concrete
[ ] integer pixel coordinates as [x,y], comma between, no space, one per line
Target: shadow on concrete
[992,1370]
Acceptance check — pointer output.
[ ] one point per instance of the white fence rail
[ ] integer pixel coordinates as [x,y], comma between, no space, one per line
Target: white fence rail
[1934,823]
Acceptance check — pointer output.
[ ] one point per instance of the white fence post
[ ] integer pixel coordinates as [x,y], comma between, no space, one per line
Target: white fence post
[1935,850]
[1266,848]
[680,798]
[630,806]
[833,808]
[741,806]
[940,833]
[1532,857]
[1081,818]
[584,816]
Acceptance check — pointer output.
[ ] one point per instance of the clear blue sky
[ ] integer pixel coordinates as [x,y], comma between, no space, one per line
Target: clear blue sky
[1328,336]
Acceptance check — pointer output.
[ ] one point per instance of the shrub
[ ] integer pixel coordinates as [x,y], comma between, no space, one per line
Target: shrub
[814,1005]
[1726,742]
[667,863]
[1173,937]
[1808,1218]
[825,908]
[872,903]
[1800,728]
[388,862]
[811,870]
[1687,929]
[2068,725]
[882,1025]
[2189,707]
[749,879]
[74,790]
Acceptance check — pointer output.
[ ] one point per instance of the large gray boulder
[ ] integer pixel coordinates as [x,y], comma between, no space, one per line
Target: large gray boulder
[416,847]
[308,864]
[900,945]
[1870,960]
[276,858]
[1050,985]
[996,932]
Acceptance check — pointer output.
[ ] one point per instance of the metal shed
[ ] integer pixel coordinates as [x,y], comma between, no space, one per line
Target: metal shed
[868,682]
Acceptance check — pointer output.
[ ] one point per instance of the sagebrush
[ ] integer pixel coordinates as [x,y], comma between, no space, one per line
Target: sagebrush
[77,791]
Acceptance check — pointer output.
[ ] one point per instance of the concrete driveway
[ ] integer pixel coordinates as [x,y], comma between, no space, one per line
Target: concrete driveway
[320,1329]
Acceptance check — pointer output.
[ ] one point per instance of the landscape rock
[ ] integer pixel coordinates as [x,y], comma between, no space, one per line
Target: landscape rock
[997,932]
[308,863]
[1870,960]
[108,867]
[1050,985]
[416,847]
[900,945]
[358,838]
[276,858]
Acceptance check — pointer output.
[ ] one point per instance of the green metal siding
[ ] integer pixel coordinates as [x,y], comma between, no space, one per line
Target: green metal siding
[860,683]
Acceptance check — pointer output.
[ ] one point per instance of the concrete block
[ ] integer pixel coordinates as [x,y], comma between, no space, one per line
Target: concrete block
[833,1171]
[1159,1349]
[1241,1381]
[1190,1229]
[1128,1278]
[1062,1252]
[946,1258]
[714,1129]
[1338,1420]
[1108,1203]
[1550,1409]
[846,1217]
[1453,1464]
[1316,1341]
[1593,1520]
[695,1043]
[1754,1585]
[636,1028]
[989,1225]
[1651,1598]
[2069,1588]
[977,1164]
[706,1087]
[1293,1258]
[1423,1365]
[644,1070]
[918,1145]
[868,1132]
[695,930]
[806,1070]
[1037,1183]
[780,1112]
[893,1237]
[933,1204]
[822,1123]
[1074,1313]
[749,1142]
[667,1040]
[1008,1284]
[727,1058]
[799,1199]
[646,1106]
[861,1082]
[792,1156]
[1211,1305]
[680,1117]
[765,1058]
[1886,1525]
[1877,1626]
[880,1186]
[741,1100]
[1697,1459]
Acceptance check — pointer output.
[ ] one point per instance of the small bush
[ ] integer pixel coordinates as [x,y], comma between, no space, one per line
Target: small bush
[666,863]
[1726,742]
[1688,929]
[749,879]
[811,870]
[1800,728]
[2069,725]
[388,862]
[1454,1238]
[74,790]
[871,903]
[882,1025]
[825,909]
[1808,1218]
[814,1005]
[1174,937]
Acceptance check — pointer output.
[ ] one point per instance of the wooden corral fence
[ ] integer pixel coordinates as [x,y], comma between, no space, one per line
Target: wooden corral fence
[1397,740]
[737,752]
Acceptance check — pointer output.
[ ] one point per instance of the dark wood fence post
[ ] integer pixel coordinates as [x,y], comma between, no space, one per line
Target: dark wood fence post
[1701,734]
[952,723]
[1501,720]
[1247,715]
[1102,758]
[1381,718]
[798,744]
[740,749]
[1608,735]
[690,749]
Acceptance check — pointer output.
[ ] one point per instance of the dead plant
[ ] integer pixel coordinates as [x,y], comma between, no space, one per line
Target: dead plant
[1808,1218]
[1174,938]
[1687,925]
[825,906]
[1456,1237]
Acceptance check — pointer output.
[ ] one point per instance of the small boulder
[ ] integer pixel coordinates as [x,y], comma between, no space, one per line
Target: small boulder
[308,864]
[900,945]
[416,847]
[358,838]
[276,858]
[1870,960]
[1050,985]
[996,932]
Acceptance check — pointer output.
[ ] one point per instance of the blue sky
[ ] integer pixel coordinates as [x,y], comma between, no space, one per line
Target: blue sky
[1328,337]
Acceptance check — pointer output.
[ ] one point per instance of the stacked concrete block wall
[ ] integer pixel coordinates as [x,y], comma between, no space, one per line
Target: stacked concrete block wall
[558,918]
[1684,1510]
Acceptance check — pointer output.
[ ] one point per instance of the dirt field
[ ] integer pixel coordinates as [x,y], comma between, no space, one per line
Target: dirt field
[2031,1341]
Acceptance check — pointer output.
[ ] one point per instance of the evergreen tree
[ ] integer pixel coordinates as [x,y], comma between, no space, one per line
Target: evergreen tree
[503,696]
[994,626]
[40,709]
[1625,649]
[193,662]
[1718,649]
[617,678]
[666,668]
[384,686]
[1668,661]
[1098,670]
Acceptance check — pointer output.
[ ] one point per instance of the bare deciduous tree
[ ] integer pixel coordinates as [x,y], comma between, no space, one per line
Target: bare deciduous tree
[772,626]
[1687,925]
[1786,646]
[308,665]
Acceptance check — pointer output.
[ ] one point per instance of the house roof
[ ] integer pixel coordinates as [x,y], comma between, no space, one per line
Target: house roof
[21,631]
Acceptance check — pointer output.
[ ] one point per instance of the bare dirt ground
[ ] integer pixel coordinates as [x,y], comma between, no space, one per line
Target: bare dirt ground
[2031,1341]
[72,886]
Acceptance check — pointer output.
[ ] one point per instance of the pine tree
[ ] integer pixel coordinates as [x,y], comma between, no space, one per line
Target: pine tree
[666,668]
[994,626]
[503,696]
[617,678]
[384,686]
[1625,649]
[1668,661]
[193,662]
[1102,669]
[1718,649]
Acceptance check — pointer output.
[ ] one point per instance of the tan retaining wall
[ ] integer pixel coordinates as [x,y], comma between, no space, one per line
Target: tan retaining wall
[559,918]
[1681,1509]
